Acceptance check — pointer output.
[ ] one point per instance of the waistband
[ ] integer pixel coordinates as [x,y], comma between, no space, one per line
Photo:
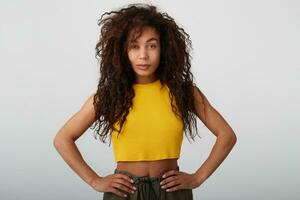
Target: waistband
[138,179]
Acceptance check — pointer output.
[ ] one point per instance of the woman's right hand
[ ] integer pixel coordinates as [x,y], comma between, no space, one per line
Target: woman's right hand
[117,183]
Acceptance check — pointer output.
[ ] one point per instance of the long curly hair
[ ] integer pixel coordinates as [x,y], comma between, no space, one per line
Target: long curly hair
[114,95]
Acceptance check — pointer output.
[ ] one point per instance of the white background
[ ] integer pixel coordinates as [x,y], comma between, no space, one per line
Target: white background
[245,60]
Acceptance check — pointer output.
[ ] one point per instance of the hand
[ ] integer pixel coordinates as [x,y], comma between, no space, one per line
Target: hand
[118,184]
[176,180]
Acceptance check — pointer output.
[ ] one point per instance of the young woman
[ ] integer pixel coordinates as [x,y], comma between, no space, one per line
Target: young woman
[144,102]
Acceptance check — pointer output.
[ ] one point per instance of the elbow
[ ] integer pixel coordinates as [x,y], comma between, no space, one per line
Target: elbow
[233,139]
[56,141]
[60,140]
[229,139]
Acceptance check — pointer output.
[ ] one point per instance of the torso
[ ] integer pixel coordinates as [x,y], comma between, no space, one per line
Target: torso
[148,168]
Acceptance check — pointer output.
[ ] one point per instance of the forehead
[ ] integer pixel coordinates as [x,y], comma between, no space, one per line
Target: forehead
[143,34]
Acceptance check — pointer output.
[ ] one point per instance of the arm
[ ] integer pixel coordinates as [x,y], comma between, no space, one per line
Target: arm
[64,141]
[226,137]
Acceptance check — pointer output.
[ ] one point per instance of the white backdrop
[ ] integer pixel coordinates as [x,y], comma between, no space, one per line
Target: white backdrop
[245,60]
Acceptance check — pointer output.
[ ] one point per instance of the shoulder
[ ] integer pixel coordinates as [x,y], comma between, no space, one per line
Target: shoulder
[201,103]
[198,95]
[79,122]
[212,119]
[89,102]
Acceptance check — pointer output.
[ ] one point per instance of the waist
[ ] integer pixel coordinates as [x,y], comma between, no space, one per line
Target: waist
[152,168]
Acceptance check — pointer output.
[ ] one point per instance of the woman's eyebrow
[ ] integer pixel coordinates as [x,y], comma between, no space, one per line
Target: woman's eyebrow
[151,39]
[147,40]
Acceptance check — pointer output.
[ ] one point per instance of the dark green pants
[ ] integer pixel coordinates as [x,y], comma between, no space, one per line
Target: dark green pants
[148,188]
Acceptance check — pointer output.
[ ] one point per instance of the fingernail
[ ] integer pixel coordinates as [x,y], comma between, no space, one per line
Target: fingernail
[164,176]
[125,195]
[132,181]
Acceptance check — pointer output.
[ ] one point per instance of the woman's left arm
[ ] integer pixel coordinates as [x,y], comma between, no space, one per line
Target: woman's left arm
[226,137]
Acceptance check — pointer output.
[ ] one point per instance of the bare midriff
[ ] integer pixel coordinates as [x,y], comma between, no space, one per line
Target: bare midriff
[148,168]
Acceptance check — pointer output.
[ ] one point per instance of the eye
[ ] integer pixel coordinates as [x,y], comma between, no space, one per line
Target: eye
[153,46]
[133,46]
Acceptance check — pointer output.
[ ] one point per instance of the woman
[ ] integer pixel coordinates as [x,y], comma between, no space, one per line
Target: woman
[144,102]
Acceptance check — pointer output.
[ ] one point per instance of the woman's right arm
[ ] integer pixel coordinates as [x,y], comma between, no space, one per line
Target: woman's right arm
[64,141]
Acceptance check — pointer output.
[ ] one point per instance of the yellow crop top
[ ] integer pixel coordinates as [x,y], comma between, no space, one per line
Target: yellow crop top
[151,130]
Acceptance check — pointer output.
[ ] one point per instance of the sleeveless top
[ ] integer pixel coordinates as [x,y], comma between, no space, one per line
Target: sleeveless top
[151,130]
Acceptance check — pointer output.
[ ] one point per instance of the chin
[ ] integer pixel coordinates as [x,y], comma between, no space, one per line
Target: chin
[143,72]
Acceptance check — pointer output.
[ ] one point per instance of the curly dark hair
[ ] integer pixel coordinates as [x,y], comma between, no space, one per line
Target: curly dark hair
[114,95]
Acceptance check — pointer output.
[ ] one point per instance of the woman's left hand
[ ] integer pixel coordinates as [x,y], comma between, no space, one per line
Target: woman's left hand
[176,180]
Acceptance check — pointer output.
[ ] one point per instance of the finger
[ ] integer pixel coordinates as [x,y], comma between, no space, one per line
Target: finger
[169,173]
[125,177]
[168,180]
[175,188]
[123,187]
[118,192]
[171,184]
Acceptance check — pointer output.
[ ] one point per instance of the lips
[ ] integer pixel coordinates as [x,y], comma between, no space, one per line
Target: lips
[143,66]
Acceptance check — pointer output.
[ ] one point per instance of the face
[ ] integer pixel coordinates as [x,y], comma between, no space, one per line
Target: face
[144,55]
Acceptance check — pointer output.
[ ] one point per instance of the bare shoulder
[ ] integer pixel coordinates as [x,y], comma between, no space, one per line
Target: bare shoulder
[201,103]
[212,119]
[79,122]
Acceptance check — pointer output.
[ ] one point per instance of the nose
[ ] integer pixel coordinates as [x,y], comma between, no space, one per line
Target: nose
[143,54]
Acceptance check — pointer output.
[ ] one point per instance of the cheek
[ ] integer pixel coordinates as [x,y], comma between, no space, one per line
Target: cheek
[157,56]
[130,57]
